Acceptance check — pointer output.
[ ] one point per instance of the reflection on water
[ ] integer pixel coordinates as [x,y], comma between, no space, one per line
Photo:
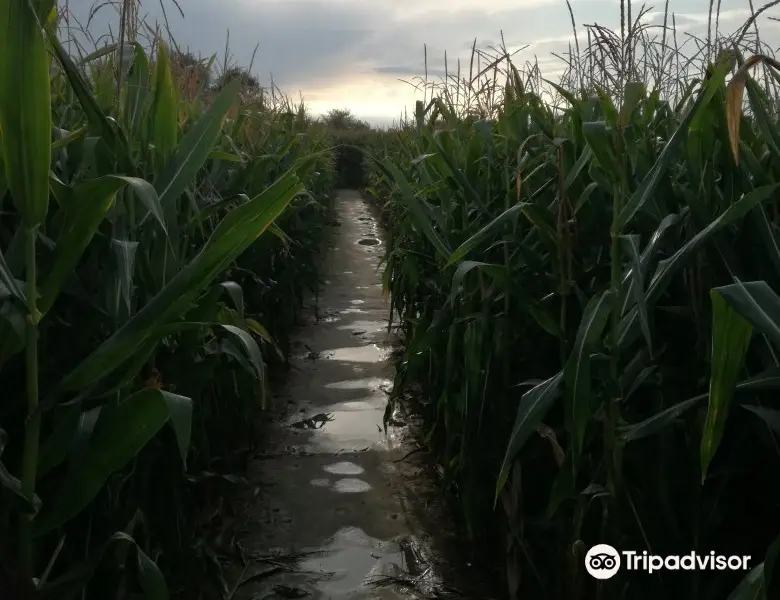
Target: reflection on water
[351,485]
[344,468]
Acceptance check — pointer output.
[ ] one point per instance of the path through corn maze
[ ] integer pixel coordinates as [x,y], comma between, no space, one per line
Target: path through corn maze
[345,510]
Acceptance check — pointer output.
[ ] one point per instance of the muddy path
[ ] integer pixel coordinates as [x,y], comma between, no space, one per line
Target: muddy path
[342,509]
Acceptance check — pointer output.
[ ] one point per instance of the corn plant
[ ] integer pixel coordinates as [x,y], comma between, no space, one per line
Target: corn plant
[552,265]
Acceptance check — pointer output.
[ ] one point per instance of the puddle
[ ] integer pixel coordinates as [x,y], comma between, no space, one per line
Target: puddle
[370,353]
[368,242]
[353,405]
[365,326]
[352,561]
[344,468]
[367,354]
[346,431]
[377,383]
[351,485]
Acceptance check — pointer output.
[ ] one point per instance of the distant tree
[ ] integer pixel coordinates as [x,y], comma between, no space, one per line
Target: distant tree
[342,119]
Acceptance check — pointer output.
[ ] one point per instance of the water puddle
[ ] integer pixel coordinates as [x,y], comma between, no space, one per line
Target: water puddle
[346,431]
[370,353]
[368,242]
[352,560]
[365,326]
[344,468]
[378,383]
[351,485]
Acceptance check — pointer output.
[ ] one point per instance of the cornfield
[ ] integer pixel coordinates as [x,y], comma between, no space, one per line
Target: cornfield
[156,240]
[587,278]
[586,274]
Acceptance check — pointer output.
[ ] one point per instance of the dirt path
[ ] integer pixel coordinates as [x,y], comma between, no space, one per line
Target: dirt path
[334,518]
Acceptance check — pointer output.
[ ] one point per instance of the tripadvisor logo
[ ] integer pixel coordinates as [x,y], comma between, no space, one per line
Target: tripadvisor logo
[602,562]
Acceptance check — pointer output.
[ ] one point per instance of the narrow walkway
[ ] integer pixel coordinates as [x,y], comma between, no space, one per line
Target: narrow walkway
[332,520]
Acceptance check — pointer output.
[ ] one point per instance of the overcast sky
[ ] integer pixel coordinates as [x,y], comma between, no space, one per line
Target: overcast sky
[352,53]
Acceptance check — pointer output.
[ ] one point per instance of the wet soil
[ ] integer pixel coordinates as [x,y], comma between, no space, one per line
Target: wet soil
[343,509]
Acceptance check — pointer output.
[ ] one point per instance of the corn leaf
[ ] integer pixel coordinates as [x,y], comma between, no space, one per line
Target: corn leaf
[163,117]
[532,408]
[25,109]
[233,235]
[731,335]
[577,372]
[121,432]
[83,214]
[194,148]
[756,302]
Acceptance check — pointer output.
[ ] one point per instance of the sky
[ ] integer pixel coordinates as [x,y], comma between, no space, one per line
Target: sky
[361,54]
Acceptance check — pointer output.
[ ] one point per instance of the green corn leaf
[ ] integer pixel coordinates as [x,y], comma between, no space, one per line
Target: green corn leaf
[13,484]
[120,434]
[497,272]
[421,218]
[598,139]
[583,160]
[194,148]
[99,122]
[756,302]
[150,577]
[25,109]
[124,253]
[250,349]
[668,267]
[180,414]
[233,235]
[264,335]
[771,579]
[70,585]
[630,245]
[768,380]
[731,335]
[648,255]
[163,117]
[751,587]
[650,183]
[137,90]
[236,294]
[532,408]
[9,285]
[770,416]
[483,234]
[577,372]
[85,211]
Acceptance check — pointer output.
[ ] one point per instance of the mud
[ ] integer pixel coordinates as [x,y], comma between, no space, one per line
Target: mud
[343,509]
